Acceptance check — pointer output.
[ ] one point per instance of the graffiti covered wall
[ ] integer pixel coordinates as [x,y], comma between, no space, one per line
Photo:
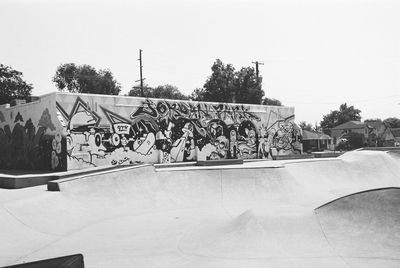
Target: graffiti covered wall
[111,130]
[31,137]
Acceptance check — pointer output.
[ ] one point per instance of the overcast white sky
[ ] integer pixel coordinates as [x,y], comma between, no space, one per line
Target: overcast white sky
[316,54]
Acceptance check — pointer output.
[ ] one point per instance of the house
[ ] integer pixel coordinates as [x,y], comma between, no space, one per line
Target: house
[368,132]
[315,141]
[390,137]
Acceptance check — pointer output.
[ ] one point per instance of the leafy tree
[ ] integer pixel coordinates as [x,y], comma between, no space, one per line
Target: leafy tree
[371,120]
[219,85]
[351,141]
[227,85]
[271,102]
[338,117]
[246,86]
[198,94]
[305,126]
[12,86]
[136,92]
[160,92]
[392,122]
[85,79]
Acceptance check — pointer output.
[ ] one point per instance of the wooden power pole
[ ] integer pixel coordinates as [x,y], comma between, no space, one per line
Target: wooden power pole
[141,73]
[257,71]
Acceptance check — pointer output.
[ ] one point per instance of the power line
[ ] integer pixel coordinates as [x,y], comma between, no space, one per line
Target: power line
[348,101]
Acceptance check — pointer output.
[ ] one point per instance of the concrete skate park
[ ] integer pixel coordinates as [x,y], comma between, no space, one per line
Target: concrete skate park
[132,182]
[333,212]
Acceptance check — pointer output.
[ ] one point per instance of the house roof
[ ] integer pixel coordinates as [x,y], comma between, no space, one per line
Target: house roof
[395,132]
[313,135]
[350,125]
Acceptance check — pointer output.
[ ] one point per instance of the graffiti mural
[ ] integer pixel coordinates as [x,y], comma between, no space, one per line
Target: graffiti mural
[171,131]
[281,136]
[28,144]
[65,131]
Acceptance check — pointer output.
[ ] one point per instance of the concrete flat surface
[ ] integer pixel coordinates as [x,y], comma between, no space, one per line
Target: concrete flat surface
[339,212]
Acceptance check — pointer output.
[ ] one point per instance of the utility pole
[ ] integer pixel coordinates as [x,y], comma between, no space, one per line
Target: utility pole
[141,73]
[257,71]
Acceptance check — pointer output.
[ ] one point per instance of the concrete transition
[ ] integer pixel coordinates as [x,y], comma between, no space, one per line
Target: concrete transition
[335,212]
[73,261]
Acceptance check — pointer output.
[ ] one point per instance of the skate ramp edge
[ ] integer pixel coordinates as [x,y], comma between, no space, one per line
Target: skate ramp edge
[86,180]
[343,198]
[364,225]
[71,261]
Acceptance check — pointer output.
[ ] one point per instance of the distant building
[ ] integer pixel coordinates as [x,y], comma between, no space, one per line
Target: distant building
[389,137]
[385,135]
[368,132]
[315,141]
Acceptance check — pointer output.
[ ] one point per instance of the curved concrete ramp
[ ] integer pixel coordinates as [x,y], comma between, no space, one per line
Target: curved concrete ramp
[259,214]
[364,225]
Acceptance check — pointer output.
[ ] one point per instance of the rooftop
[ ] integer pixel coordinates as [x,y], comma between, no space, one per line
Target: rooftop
[314,135]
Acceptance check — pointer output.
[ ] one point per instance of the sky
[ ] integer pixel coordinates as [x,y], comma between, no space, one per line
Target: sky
[316,54]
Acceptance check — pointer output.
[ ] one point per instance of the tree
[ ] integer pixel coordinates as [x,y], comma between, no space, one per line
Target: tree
[85,79]
[392,122]
[160,92]
[12,86]
[305,126]
[338,117]
[219,85]
[227,85]
[246,87]
[351,141]
[271,102]
[198,94]
[371,120]
[136,91]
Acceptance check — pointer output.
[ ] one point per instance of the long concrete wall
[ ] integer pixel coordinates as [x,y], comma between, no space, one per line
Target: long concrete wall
[31,136]
[111,130]
[64,131]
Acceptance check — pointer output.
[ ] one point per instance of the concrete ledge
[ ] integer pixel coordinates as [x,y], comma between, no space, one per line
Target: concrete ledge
[293,156]
[220,162]
[56,185]
[179,164]
[327,155]
[23,181]
[9,181]
[71,261]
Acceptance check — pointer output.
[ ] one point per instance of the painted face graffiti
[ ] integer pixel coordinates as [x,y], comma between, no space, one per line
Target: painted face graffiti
[221,145]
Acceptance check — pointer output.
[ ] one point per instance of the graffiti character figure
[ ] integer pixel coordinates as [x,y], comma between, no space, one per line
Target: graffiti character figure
[233,143]
[265,143]
[283,137]
[124,142]
[222,145]
[247,141]
[183,148]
